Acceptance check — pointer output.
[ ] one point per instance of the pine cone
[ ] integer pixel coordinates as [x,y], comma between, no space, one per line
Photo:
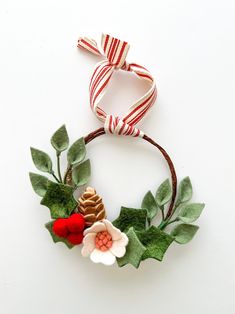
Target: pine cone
[91,206]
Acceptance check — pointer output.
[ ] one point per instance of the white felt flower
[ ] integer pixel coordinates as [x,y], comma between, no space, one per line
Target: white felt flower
[104,242]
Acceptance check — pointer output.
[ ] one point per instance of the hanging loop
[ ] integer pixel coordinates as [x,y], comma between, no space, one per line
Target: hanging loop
[115,52]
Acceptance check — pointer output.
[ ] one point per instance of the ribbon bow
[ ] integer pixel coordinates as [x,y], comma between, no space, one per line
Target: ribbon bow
[115,52]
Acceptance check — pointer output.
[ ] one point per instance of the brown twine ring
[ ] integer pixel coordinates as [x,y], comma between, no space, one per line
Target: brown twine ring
[101,131]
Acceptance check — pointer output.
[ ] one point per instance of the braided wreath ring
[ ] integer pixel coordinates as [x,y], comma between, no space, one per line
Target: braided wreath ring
[131,238]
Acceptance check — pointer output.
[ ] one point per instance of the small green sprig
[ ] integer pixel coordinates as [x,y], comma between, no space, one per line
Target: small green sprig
[183,211]
[58,195]
[148,241]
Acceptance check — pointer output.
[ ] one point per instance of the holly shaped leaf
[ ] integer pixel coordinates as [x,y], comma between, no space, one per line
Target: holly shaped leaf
[184,233]
[164,193]
[185,191]
[134,250]
[131,217]
[76,152]
[156,242]
[81,173]
[150,205]
[41,160]
[55,238]
[59,199]
[60,139]
[39,183]
[190,212]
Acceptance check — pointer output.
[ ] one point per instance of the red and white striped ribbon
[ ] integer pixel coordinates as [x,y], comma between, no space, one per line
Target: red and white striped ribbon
[115,52]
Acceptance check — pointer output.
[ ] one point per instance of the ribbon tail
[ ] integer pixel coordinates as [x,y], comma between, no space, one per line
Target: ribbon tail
[115,50]
[89,45]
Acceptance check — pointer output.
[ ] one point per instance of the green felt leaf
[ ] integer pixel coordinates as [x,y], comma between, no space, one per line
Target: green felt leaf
[59,199]
[190,212]
[184,233]
[164,193]
[60,139]
[81,173]
[156,242]
[131,217]
[39,183]
[150,205]
[134,250]
[77,152]
[41,160]
[55,237]
[185,191]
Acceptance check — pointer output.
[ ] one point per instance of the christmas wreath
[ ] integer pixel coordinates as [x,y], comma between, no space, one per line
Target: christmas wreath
[132,237]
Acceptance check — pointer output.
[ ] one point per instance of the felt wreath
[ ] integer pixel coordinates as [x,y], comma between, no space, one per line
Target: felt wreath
[132,237]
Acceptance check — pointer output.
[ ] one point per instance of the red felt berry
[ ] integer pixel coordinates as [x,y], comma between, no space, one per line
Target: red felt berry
[60,227]
[75,238]
[76,223]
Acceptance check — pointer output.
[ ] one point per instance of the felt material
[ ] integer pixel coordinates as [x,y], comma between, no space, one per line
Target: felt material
[97,232]
[150,205]
[113,230]
[60,139]
[106,258]
[41,160]
[39,183]
[184,233]
[60,227]
[59,199]
[96,227]
[103,241]
[91,206]
[88,244]
[164,193]
[134,250]
[68,230]
[55,237]
[156,242]
[118,247]
[75,238]
[76,152]
[185,192]
[131,217]
[75,223]
[190,212]
[81,173]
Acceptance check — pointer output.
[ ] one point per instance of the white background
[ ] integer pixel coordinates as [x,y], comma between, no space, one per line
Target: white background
[189,46]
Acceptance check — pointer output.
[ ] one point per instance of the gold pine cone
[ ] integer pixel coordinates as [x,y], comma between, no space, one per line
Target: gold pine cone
[91,206]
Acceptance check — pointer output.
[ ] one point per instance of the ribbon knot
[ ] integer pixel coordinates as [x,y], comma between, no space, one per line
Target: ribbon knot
[115,52]
[115,125]
[126,66]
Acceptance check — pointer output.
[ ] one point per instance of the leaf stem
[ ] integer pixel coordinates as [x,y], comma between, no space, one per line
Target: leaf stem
[163,224]
[162,210]
[69,168]
[58,167]
[55,177]
[149,222]
[166,223]
[172,221]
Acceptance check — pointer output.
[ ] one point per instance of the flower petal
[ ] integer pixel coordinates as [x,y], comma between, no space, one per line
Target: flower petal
[96,227]
[106,258]
[119,246]
[88,244]
[115,232]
